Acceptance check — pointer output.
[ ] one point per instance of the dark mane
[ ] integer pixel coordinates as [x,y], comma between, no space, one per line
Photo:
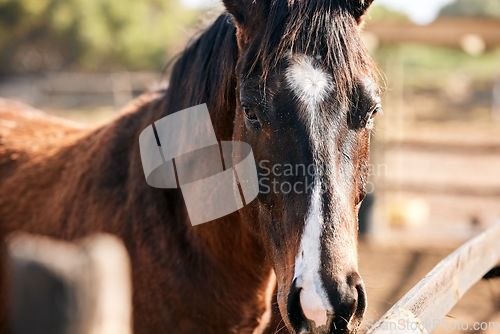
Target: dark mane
[315,27]
[204,73]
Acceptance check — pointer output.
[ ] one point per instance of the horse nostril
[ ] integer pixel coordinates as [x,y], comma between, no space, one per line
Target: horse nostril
[358,300]
[358,288]
[361,307]
[295,313]
[349,304]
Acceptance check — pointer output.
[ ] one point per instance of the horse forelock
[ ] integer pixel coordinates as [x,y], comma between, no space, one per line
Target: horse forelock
[322,29]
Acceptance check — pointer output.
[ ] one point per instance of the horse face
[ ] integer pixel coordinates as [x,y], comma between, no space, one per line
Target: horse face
[310,134]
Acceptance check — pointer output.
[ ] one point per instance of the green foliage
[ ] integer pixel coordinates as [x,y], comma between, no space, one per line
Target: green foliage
[477,8]
[90,34]
[382,13]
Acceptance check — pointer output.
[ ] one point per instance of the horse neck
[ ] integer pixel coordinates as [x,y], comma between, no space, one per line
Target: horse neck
[205,73]
[230,242]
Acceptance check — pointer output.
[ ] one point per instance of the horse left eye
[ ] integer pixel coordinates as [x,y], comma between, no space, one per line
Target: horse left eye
[375,110]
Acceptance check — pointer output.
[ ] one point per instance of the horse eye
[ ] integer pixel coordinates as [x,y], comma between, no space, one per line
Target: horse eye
[375,110]
[249,113]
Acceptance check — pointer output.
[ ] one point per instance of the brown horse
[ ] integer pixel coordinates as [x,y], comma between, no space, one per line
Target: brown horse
[289,77]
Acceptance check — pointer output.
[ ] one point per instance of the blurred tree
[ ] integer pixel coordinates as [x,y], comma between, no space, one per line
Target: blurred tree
[89,34]
[482,8]
[382,13]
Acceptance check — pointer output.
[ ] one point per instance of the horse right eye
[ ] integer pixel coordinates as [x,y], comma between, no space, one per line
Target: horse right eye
[249,113]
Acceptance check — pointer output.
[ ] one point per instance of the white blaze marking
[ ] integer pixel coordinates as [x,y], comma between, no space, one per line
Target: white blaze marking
[313,297]
[312,86]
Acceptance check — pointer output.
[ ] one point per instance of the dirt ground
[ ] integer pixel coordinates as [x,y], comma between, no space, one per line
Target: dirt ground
[391,271]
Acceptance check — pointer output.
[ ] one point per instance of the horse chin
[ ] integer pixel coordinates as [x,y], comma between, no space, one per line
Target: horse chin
[327,330]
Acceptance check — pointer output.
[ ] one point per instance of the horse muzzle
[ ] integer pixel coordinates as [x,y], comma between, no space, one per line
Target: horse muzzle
[332,307]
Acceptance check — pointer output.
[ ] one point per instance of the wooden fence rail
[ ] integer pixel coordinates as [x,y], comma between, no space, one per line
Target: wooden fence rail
[426,304]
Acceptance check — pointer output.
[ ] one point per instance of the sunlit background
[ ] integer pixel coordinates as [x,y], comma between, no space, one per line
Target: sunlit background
[435,176]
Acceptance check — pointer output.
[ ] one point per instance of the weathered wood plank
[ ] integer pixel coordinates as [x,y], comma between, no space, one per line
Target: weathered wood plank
[433,297]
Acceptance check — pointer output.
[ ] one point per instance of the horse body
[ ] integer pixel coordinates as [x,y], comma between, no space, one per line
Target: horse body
[86,181]
[219,277]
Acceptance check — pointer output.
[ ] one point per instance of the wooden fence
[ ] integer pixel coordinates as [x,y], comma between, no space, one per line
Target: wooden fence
[422,308]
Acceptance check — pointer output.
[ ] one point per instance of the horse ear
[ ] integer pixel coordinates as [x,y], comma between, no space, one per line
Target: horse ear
[359,8]
[248,16]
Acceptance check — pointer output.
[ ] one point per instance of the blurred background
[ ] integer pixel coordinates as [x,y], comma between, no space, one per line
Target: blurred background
[435,170]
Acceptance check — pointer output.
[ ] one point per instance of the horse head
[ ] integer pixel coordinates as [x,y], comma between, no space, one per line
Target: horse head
[306,99]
